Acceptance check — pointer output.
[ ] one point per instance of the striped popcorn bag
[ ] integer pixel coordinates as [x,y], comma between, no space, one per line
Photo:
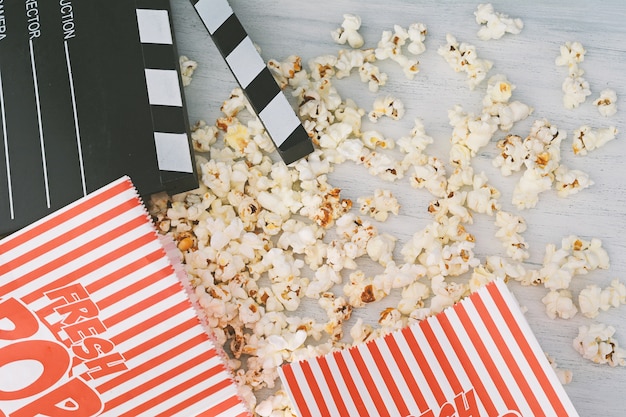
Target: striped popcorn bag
[94,320]
[478,358]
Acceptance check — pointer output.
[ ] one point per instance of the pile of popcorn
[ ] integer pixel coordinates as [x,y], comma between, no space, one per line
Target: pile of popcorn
[259,238]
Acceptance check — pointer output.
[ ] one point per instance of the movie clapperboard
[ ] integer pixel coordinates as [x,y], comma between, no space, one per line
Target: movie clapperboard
[256,80]
[89,91]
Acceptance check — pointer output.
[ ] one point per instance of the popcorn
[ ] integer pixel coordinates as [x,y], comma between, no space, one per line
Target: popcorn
[575,256]
[276,405]
[360,290]
[575,91]
[596,343]
[361,332]
[347,60]
[571,54]
[338,311]
[431,174]
[390,47]
[570,181]
[493,24]
[575,87]
[349,31]
[417,141]
[373,139]
[323,67]
[589,301]
[417,34]
[231,107]
[386,106]
[512,155]
[325,278]
[496,103]
[371,74]
[590,253]
[565,375]
[559,304]
[257,237]
[285,71]
[483,198]
[413,296]
[613,296]
[471,131]
[381,165]
[391,319]
[380,248]
[203,136]
[541,159]
[334,135]
[463,57]
[509,233]
[187,68]
[379,205]
[348,112]
[446,294]
[587,139]
[606,103]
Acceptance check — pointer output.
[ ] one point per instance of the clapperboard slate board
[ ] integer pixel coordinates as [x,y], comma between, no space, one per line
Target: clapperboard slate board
[90,91]
[268,101]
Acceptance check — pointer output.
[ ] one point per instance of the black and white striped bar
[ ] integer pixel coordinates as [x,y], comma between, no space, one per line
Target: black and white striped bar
[264,94]
[173,146]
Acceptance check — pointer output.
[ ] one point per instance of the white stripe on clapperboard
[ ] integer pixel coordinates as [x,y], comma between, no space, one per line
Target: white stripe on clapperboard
[75,114]
[41,141]
[278,117]
[164,90]
[6,149]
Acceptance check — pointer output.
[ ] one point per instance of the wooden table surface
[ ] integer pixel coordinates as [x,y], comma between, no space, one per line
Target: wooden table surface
[285,27]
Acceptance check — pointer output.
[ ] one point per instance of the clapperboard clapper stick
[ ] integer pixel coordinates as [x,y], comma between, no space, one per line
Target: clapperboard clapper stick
[256,80]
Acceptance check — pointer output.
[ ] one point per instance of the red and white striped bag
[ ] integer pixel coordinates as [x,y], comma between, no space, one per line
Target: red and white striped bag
[94,321]
[478,358]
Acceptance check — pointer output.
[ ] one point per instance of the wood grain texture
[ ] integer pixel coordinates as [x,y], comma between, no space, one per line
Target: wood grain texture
[283,27]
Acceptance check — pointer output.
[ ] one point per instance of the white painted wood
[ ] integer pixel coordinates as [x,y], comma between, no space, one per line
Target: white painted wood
[285,27]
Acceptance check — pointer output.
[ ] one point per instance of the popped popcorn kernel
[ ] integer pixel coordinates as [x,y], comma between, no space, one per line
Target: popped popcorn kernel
[379,205]
[203,136]
[587,139]
[494,24]
[606,103]
[285,71]
[597,344]
[571,54]
[462,57]
[565,375]
[559,304]
[570,181]
[575,87]
[187,68]
[348,32]
[386,106]
[391,45]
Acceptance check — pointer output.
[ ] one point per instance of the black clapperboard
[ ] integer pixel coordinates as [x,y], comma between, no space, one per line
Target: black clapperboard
[89,91]
[268,101]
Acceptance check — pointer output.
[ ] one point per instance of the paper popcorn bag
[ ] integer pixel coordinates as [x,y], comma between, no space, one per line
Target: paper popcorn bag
[94,321]
[478,358]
